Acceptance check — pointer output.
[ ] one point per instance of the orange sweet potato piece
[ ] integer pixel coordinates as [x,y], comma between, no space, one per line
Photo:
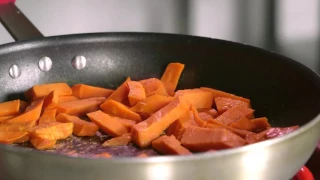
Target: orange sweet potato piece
[142,155]
[197,97]
[136,92]
[234,114]
[169,145]
[32,113]
[81,127]
[41,143]
[23,106]
[41,90]
[259,124]
[118,141]
[84,91]
[128,123]
[205,116]
[121,92]
[52,130]
[223,103]
[107,123]
[204,139]
[104,155]
[146,131]
[216,124]
[216,93]
[9,137]
[10,108]
[80,107]
[178,127]
[200,122]
[62,99]
[115,108]
[171,75]
[2,118]
[212,112]
[151,104]
[48,115]
[51,100]
[153,86]
[243,123]
[18,126]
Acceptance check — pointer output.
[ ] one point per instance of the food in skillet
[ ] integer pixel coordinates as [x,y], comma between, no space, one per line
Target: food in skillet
[148,113]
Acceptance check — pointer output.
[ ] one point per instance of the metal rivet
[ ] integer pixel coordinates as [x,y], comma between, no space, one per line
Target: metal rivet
[79,62]
[14,71]
[45,64]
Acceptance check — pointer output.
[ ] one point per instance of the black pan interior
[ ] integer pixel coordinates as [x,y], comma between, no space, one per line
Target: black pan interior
[281,89]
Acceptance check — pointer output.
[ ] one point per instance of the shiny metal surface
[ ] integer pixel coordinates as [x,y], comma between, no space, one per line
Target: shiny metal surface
[113,57]
[45,64]
[14,71]
[79,62]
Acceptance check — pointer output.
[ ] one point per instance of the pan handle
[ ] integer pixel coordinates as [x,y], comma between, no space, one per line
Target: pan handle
[16,23]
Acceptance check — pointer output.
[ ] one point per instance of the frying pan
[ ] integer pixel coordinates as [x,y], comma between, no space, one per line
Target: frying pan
[280,88]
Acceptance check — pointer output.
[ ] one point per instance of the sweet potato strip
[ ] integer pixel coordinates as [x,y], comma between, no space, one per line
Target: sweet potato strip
[200,122]
[84,91]
[44,136]
[212,112]
[32,113]
[10,137]
[136,92]
[107,123]
[178,127]
[62,99]
[204,139]
[118,141]
[234,114]
[23,106]
[217,93]
[121,92]
[80,107]
[48,115]
[41,90]
[115,108]
[169,145]
[197,97]
[2,118]
[223,103]
[81,127]
[171,75]
[216,124]
[51,100]
[260,124]
[146,131]
[151,105]
[10,108]
[128,123]
[244,124]
[153,86]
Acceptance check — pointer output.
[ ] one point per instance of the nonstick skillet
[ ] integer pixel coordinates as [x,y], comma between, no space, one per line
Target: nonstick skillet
[280,88]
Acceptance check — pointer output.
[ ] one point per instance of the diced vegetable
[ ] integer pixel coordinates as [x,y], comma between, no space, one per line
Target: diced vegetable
[171,75]
[128,123]
[223,103]
[204,139]
[153,86]
[151,104]
[62,99]
[260,124]
[9,108]
[80,107]
[122,140]
[107,123]
[169,145]
[136,92]
[81,127]
[10,137]
[84,91]
[197,97]
[216,93]
[146,131]
[234,114]
[115,108]
[48,115]
[42,90]
[178,127]
[121,92]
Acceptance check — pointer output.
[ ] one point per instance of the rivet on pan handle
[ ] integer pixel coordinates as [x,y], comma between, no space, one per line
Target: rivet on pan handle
[16,23]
